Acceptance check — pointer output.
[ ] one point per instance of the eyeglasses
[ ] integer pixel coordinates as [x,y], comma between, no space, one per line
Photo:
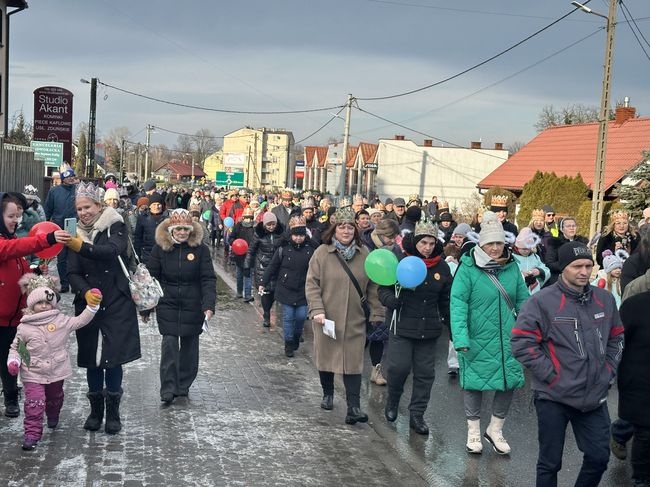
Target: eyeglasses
[550,214]
[183,229]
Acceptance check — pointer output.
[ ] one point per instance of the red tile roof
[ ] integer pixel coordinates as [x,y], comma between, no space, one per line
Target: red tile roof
[571,149]
[310,151]
[352,156]
[368,152]
[181,169]
[321,153]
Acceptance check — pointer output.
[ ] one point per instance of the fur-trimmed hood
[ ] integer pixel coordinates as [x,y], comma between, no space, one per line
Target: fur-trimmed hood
[108,217]
[164,237]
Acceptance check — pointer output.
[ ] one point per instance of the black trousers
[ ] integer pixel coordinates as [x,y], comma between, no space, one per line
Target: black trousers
[641,454]
[591,430]
[179,363]
[404,355]
[9,382]
[352,384]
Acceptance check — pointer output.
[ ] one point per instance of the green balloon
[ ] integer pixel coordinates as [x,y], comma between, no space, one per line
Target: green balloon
[206,215]
[381,267]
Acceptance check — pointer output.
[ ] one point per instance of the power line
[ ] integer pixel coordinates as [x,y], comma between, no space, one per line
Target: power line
[623,9]
[219,110]
[465,71]
[492,85]
[631,19]
[321,127]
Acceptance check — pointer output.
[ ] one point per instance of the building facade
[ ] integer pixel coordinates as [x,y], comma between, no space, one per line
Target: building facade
[7,8]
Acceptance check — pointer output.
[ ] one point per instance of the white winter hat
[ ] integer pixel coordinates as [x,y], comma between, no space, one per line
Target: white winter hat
[491,230]
[41,294]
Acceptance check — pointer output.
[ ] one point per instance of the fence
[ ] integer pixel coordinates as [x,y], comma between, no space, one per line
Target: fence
[19,168]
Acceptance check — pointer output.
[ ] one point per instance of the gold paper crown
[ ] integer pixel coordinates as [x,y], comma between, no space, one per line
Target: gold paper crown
[345,202]
[180,217]
[89,190]
[308,203]
[538,215]
[444,205]
[297,221]
[287,195]
[499,200]
[28,282]
[619,215]
[425,227]
[344,215]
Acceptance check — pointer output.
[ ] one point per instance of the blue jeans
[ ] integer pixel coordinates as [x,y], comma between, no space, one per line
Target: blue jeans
[591,430]
[293,321]
[243,281]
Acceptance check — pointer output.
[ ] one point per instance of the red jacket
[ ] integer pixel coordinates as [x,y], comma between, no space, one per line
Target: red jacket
[225,208]
[12,266]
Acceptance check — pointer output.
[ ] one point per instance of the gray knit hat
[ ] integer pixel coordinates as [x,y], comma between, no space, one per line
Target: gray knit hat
[491,230]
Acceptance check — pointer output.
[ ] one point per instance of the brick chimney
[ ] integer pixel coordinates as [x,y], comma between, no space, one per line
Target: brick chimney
[475,145]
[625,113]
[399,137]
[428,143]
[498,146]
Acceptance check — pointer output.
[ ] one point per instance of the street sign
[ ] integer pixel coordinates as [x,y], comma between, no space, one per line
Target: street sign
[231,179]
[50,152]
[53,117]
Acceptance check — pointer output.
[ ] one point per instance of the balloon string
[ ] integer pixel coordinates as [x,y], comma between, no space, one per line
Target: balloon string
[393,320]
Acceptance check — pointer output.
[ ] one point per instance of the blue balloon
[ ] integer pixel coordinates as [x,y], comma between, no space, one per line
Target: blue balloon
[411,272]
[228,222]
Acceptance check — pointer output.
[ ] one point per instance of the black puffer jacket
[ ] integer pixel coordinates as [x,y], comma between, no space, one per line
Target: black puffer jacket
[186,274]
[423,311]
[144,237]
[246,233]
[116,322]
[288,268]
[261,250]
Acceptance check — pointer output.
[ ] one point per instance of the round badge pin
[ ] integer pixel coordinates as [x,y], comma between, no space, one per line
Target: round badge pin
[51,327]
[436,276]
[190,257]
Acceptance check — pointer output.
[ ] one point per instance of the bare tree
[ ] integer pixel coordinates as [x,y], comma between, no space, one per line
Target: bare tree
[515,147]
[200,145]
[20,132]
[568,115]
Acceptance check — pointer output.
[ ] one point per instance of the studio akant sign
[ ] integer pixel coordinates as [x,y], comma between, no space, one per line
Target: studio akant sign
[53,117]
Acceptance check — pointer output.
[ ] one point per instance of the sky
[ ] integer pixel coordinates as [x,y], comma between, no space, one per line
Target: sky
[291,55]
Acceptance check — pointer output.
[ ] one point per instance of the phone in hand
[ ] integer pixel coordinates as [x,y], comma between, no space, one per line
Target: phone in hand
[70,226]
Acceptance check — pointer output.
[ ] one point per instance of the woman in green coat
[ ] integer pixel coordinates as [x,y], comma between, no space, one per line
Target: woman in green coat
[486,288]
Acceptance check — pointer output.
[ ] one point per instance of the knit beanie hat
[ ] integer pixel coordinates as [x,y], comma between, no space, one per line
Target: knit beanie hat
[155,198]
[462,229]
[41,294]
[527,239]
[143,200]
[39,288]
[614,261]
[446,217]
[413,213]
[387,227]
[491,230]
[149,185]
[571,251]
[111,194]
[269,218]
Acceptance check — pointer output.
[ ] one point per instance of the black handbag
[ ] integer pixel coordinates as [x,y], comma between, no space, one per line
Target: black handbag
[355,283]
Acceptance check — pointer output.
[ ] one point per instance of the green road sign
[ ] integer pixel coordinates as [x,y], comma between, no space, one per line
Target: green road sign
[231,179]
[51,152]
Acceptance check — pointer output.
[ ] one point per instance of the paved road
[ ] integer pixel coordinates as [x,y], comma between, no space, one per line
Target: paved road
[253,419]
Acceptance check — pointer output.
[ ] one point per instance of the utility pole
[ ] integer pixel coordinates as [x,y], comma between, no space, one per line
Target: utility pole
[598,189]
[192,160]
[346,141]
[122,162]
[92,120]
[146,152]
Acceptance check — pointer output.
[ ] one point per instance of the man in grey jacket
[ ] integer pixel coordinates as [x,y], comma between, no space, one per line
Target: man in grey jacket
[570,337]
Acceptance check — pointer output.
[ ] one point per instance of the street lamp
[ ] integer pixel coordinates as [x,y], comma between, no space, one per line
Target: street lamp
[90,153]
[598,190]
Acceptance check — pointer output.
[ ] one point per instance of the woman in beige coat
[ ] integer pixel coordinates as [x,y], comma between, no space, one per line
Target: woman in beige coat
[331,294]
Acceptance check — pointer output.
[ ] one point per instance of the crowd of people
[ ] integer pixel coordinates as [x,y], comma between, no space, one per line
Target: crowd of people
[510,299]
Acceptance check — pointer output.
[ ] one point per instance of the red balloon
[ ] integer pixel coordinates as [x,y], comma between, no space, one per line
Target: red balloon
[239,246]
[46,227]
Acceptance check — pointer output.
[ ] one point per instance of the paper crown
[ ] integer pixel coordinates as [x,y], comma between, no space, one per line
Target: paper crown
[444,205]
[286,195]
[413,197]
[89,190]
[619,215]
[344,215]
[425,227]
[297,221]
[30,190]
[308,203]
[30,281]
[180,217]
[538,215]
[499,200]
[345,202]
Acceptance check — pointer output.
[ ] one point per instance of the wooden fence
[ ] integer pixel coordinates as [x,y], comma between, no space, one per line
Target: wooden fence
[18,168]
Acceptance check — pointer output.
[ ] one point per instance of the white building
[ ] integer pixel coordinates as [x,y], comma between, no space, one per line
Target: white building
[450,173]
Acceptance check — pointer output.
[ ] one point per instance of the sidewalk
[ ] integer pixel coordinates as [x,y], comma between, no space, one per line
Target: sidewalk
[252,419]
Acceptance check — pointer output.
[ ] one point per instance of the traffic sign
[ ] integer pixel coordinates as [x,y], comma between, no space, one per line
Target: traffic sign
[50,152]
[230,179]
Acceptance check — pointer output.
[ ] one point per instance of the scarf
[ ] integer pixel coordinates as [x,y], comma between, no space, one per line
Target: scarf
[87,230]
[101,222]
[485,262]
[347,252]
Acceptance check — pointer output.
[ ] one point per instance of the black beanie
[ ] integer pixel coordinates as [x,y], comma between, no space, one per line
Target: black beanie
[413,213]
[571,251]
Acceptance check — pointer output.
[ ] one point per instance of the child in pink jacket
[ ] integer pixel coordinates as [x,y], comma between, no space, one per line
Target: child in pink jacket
[40,352]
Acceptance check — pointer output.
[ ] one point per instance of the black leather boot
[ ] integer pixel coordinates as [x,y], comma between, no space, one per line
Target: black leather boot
[390,411]
[12,409]
[94,421]
[327,402]
[113,424]
[288,349]
[296,341]
[419,425]
[355,415]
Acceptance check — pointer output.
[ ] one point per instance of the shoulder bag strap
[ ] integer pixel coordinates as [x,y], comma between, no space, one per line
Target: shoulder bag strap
[503,292]
[119,258]
[355,283]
